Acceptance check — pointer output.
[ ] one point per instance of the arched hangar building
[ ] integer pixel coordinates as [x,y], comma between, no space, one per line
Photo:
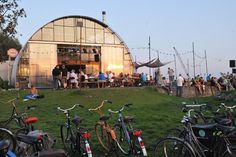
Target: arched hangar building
[80,42]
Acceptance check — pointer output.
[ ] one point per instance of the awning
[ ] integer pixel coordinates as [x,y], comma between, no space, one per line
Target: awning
[155,63]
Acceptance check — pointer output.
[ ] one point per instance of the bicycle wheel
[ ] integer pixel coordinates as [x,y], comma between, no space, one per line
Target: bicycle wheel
[7,135]
[173,147]
[103,137]
[123,142]
[68,138]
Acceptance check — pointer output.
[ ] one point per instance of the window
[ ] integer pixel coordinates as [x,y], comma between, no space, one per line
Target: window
[58,33]
[47,34]
[90,35]
[69,34]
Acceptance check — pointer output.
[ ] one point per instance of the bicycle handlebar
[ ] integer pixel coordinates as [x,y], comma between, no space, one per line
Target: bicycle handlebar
[68,109]
[100,106]
[222,105]
[196,105]
[120,110]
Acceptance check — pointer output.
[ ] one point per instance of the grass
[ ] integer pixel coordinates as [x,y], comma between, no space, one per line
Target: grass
[154,112]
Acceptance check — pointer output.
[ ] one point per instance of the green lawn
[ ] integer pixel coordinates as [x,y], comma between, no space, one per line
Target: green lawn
[154,112]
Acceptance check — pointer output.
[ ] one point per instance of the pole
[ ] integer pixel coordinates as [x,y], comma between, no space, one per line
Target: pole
[206,63]
[175,67]
[188,66]
[194,74]
[80,24]
[149,47]
[8,70]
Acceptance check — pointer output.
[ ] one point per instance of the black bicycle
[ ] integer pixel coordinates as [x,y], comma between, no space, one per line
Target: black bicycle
[129,139]
[75,138]
[198,140]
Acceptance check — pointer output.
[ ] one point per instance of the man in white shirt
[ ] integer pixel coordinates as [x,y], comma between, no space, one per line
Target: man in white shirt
[179,87]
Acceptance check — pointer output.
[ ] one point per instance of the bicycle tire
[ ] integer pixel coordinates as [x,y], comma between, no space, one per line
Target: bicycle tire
[68,139]
[123,143]
[7,135]
[103,137]
[173,147]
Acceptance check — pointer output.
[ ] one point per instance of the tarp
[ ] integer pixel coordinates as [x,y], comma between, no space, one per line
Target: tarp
[140,64]
[155,63]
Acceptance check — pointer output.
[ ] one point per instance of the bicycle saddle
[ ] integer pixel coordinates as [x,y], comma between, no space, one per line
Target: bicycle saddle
[28,139]
[77,119]
[204,126]
[128,119]
[31,120]
[4,145]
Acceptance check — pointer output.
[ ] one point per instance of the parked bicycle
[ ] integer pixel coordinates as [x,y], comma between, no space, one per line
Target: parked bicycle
[105,133]
[130,140]
[200,140]
[29,139]
[75,138]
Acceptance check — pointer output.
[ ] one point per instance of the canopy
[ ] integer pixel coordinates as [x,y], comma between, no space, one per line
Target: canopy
[140,64]
[155,63]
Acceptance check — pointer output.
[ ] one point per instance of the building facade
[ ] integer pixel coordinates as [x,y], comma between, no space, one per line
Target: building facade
[79,42]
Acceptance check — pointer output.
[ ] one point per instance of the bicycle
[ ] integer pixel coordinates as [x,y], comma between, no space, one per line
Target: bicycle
[198,140]
[75,140]
[105,133]
[130,140]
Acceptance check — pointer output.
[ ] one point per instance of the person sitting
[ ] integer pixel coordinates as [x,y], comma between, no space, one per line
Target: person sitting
[73,79]
[111,79]
[165,85]
[101,80]
[34,94]
[196,83]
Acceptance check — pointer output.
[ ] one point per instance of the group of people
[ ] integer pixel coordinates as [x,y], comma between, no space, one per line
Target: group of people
[62,78]
[225,82]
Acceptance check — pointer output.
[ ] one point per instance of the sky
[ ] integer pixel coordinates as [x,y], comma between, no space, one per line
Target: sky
[209,24]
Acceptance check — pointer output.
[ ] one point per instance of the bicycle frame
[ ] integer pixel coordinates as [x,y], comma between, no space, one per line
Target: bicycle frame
[129,132]
[105,126]
[14,116]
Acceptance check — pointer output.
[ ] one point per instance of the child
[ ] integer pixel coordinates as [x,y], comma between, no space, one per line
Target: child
[33,94]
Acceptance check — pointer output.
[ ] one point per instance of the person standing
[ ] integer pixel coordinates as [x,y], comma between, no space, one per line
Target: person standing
[171,76]
[56,75]
[63,74]
[179,86]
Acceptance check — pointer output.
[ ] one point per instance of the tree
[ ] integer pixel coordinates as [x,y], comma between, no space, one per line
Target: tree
[7,43]
[9,14]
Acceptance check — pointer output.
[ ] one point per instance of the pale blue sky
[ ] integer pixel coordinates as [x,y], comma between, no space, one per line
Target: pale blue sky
[210,24]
